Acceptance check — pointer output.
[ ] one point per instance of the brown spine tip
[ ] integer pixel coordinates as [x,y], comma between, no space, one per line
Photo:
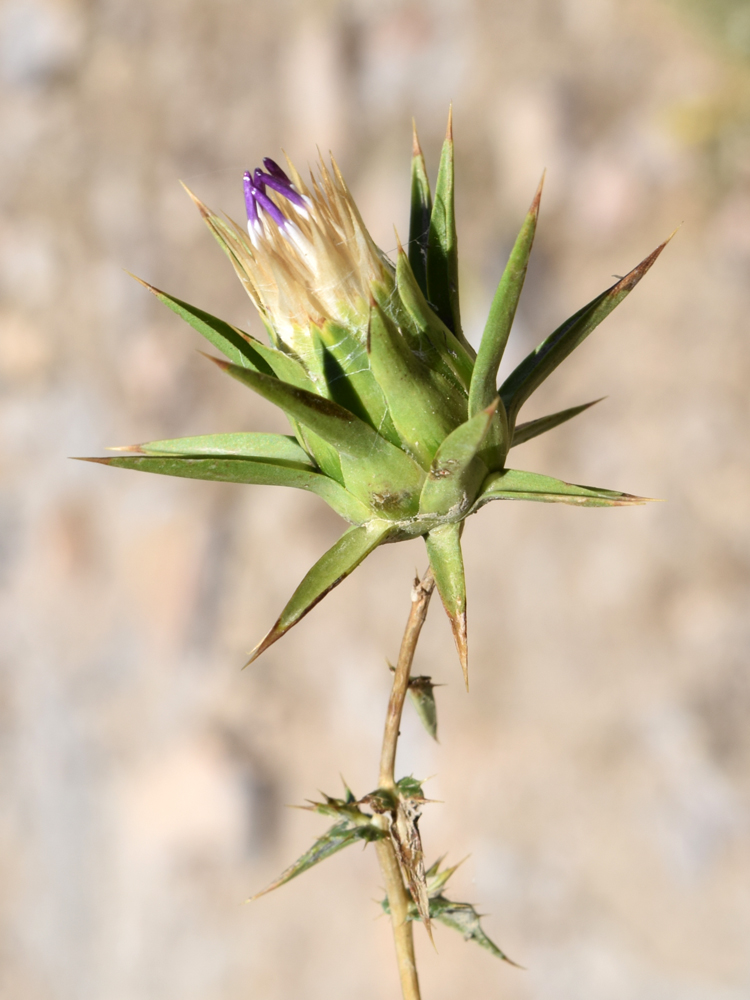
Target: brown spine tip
[219,362]
[265,642]
[416,149]
[534,210]
[632,278]
[99,461]
[196,201]
[399,245]
[141,281]
[449,129]
[458,625]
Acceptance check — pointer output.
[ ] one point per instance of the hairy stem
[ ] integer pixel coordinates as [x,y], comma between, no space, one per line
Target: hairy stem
[398,894]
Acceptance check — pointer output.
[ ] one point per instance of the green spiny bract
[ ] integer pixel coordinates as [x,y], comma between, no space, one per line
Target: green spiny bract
[398,424]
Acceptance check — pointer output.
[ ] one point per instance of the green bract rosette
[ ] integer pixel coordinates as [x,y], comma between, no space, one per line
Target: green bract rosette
[398,424]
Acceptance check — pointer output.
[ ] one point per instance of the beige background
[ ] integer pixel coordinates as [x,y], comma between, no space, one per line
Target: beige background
[598,774]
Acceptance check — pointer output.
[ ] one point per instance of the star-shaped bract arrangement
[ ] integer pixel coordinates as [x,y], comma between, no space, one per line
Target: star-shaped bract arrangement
[398,424]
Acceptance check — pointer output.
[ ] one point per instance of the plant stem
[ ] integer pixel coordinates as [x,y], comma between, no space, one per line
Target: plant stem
[398,894]
[420,601]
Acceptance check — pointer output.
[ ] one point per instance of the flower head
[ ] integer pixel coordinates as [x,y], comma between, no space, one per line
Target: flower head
[310,261]
[398,424]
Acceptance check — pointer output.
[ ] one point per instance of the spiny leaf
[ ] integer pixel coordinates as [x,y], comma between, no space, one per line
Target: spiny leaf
[542,361]
[410,787]
[437,879]
[462,917]
[512,484]
[239,347]
[430,336]
[246,352]
[347,809]
[425,407]
[336,839]
[456,472]
[446,560]
[421,209]
[349,379]
[373,468]
[247,470]
[533,428]
[332,567]
[502,312]
[422,694]
[442,245]
[280,448]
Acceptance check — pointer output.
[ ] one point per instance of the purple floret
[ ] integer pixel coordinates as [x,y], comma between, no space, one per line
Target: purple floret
[269,207]
[275,170]
[284,188]
[250,199]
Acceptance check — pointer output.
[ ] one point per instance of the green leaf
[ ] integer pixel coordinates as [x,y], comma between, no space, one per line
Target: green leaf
[437,879]
[444,549]
[334,840]
[374,470]
[502,313]
[239,347]
[410,787]
[422,695]
[349,379]
[533,428]
[542,361]
[425,407]
[442,245]
[462,917]
[334,566]
[430,336]
[347,808]
[457,473]
[512,484]
[280,448]
[421,209]
[247,470]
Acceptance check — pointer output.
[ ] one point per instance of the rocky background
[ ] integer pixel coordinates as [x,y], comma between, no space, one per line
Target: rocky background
[598,776]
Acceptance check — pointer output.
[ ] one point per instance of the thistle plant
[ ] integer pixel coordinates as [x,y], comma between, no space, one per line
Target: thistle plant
[398,424]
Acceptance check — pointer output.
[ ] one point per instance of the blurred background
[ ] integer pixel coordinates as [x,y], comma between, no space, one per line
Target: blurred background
[598,775]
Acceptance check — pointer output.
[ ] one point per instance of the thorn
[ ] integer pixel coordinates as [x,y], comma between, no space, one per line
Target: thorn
[416,149]
[141,281]
[631,279]
[449,129]
[219,362]
[458,624]
[398,241]
[100,461]
[205,212]
[534,210]
[127,447]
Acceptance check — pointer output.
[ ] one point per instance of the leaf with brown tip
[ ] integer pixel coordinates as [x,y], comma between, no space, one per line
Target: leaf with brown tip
[334,566]
[537,366]
[444,549]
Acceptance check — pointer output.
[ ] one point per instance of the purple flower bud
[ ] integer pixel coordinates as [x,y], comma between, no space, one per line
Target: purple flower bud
[259,179]
[285,188]
[269,207]
[250,203]
[275,170]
